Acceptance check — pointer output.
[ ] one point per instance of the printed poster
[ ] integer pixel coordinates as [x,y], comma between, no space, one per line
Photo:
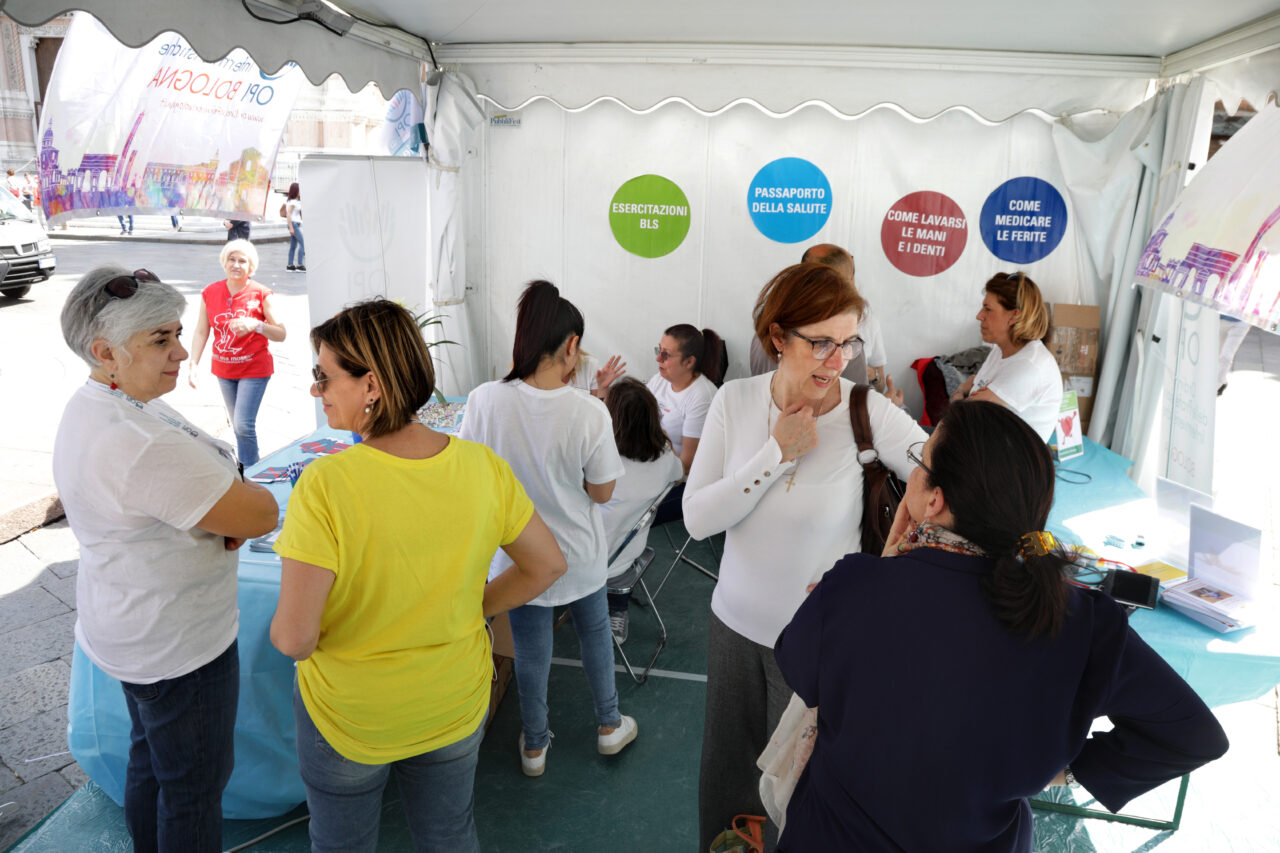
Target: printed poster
[156,128]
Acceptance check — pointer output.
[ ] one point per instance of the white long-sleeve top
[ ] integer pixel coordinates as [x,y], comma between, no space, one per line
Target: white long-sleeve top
[777,541]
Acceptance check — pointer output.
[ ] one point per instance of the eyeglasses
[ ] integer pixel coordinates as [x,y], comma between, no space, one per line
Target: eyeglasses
[663,355]
[822,349]
[319,378]
[915,455]
[124,286]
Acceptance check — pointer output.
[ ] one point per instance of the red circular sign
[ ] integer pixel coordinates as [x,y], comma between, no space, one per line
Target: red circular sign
[924,233]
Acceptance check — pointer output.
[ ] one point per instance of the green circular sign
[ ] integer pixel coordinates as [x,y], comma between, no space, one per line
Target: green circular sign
[649,216]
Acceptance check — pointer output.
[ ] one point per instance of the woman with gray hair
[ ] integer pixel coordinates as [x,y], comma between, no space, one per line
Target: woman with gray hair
[237,310]
[159,509]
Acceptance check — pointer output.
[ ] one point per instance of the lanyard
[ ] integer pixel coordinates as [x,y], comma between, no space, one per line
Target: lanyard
[156,412]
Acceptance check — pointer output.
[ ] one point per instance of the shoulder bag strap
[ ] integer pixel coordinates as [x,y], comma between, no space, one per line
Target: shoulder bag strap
[860,419]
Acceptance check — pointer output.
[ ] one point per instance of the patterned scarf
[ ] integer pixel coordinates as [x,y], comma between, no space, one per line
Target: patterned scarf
[930,535]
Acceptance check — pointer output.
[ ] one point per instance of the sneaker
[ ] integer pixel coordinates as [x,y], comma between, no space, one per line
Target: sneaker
[537,765]
[291,268]
[301,268]
[616,740]
[618,624]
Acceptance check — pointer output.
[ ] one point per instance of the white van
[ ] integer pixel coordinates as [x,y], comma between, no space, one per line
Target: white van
[25,253]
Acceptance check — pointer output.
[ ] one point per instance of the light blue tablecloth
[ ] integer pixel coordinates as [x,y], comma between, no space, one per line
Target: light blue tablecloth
[1223,668]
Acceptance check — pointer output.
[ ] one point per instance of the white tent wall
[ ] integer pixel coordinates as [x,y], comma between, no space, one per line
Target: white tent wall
[548,182]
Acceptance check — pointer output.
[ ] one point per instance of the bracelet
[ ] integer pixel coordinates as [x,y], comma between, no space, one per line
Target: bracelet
[261,327]
[1070,777]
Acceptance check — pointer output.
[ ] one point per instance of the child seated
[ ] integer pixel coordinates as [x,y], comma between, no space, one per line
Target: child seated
[651,465]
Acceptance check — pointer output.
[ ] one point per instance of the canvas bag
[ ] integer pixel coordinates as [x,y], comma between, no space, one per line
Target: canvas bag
[881,488]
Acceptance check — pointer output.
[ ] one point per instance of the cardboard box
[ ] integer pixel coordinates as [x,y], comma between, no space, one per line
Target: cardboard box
[1074,344]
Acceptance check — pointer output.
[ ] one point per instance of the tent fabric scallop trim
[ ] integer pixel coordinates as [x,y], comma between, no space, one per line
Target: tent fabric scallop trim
[995,86]
[216,27]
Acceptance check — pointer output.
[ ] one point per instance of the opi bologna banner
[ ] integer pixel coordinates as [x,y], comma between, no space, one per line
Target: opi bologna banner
[152,129]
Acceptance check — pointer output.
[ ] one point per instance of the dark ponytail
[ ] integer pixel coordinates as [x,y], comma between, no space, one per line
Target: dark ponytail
[705,347]
[544,321]
[997,476]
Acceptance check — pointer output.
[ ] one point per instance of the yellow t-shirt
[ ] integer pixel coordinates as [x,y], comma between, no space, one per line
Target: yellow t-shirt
[403,662]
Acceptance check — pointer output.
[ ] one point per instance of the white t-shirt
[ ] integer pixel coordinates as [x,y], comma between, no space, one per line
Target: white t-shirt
[777,542]
[584,375]
[552,440]
[293,207]
[632,495]
[1028,382]
[155,596]
[683,412]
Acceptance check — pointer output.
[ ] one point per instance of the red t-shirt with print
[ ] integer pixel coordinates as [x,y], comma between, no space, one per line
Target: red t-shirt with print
[237,356]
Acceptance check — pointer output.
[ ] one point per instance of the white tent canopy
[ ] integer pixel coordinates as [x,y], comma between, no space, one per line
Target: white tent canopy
[1083,67]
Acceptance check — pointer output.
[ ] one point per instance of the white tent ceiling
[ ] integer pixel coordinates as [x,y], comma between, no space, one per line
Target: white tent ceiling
[1002,56]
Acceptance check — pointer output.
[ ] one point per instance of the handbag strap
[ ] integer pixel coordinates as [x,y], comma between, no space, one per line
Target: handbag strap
[861,421]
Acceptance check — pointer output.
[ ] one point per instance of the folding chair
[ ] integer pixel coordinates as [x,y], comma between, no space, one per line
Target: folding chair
[634,576]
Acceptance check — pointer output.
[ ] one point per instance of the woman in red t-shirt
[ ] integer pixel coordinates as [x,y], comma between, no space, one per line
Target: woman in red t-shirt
[238,311]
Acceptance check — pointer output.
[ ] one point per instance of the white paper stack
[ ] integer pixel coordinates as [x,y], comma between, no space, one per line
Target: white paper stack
[1225,556]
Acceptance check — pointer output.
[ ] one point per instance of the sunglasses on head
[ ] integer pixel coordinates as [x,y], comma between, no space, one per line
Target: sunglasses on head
[124,286]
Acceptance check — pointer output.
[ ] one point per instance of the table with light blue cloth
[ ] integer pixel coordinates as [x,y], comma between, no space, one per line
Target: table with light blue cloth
[265,782]
[1222,668]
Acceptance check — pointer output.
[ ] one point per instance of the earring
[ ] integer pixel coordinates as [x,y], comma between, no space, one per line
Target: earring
[368,408]
[114,386]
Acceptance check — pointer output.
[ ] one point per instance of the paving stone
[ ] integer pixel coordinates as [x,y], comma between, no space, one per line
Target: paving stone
[35,800]
[65,569]
[28,606]
[64,588]
[52,639]
[75,776]
[53,543]
[8,781]
[19,568]
[42,735]
[33,691]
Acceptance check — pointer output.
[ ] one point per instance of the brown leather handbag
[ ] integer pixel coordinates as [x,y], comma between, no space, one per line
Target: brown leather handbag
[882,490]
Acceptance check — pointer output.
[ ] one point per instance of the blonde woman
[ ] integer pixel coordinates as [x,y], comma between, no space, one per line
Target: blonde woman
[1020,373]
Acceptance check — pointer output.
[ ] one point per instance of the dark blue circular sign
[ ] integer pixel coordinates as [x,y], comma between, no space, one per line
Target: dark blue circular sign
[789,200]
[1023,220]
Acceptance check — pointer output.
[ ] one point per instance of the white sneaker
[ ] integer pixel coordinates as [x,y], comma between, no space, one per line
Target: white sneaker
[618,625]
[537,765]
[616,741]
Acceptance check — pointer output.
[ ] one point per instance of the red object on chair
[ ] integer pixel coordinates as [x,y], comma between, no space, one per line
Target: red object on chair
[933,387]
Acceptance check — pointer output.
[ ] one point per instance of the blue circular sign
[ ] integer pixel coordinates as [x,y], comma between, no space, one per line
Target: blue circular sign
[789,200]
[1023,220]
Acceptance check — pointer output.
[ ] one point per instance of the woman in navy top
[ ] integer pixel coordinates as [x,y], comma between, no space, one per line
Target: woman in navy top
[960,673]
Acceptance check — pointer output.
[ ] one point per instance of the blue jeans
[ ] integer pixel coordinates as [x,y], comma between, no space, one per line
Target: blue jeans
[345,797]
[180,756]
[242,398]
[122,227]
[296,242]
[531,627]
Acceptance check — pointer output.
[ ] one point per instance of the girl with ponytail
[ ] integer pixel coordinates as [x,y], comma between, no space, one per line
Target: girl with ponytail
[964,654]
[559,442]
[1019,372]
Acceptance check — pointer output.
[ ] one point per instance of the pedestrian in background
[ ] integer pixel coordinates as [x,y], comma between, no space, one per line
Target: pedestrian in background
[293,215]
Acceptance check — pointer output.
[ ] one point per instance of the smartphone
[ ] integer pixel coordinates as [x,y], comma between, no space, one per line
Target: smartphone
[1132,588]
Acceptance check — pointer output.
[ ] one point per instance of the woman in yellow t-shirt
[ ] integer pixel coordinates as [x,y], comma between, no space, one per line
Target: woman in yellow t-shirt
[385,550]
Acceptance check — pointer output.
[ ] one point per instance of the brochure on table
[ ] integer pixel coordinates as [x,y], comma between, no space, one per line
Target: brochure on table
[1225,556]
